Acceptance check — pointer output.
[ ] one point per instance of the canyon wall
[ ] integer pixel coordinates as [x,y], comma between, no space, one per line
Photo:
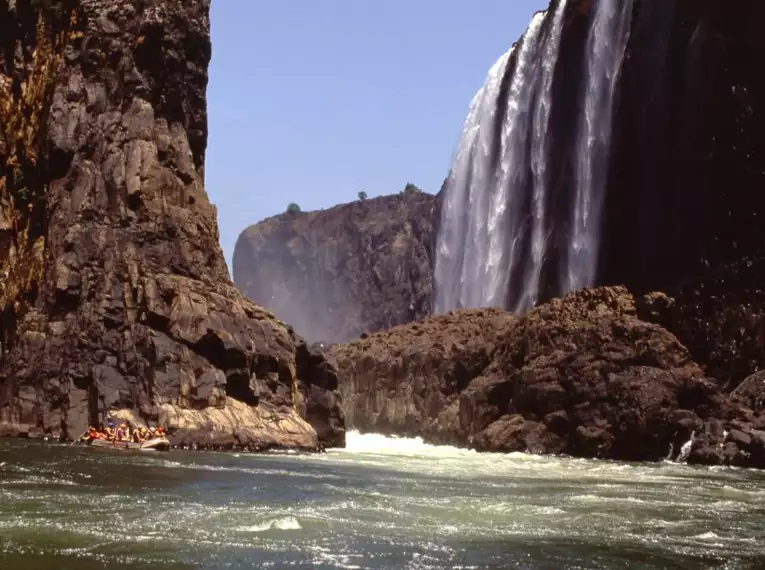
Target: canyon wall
[114,292]
[685,203]
[335,274]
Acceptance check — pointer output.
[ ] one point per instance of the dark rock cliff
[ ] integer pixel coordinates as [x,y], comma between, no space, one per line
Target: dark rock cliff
[113,290]
[685,202]
[335,274]
[583,375]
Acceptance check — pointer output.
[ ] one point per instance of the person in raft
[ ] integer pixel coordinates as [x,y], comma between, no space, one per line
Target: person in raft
[123,433]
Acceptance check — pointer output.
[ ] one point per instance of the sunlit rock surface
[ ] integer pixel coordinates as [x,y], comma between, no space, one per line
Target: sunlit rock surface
[114,292]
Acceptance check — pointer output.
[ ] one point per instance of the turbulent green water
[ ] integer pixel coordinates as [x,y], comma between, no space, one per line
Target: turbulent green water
[381,503]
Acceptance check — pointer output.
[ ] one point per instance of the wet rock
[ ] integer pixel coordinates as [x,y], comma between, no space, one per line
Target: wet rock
[739,437]
[702,144]
[751,392]
[582,375]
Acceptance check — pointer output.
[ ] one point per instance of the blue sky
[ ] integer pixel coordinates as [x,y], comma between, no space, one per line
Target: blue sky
[311,101]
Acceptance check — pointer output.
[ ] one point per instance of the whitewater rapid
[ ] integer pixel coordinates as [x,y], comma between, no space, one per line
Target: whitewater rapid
[379,503]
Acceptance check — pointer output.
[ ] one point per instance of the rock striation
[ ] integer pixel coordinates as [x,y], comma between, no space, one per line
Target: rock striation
[113,289]
[335,274]
[584,375]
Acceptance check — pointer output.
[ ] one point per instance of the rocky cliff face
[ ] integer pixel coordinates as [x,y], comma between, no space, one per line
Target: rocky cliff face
[682,200]
[334,274]
[685,203]
[114,293]
[585,375]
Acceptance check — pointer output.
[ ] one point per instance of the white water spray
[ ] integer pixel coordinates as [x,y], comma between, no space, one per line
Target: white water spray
[606,43]
[378,444]
[685,450]
[540,232]
[484,225]
[470,172]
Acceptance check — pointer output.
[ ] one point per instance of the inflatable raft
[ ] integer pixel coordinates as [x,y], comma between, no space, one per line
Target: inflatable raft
[154,444]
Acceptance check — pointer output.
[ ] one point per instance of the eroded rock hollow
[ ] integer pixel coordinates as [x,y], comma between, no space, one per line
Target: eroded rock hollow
[114,294]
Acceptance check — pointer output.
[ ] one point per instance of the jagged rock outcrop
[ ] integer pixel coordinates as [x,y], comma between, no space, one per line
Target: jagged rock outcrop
[582,375]
[335,274]
[114,293]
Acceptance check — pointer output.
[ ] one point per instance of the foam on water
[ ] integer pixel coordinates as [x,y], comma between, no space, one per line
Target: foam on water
[382,503]
[281,523]
[377,444]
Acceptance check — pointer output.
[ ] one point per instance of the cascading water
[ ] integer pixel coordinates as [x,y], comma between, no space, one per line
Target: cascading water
[483,228]
[471,170]
[495,225]
[503,236]
[609,32]
[540,233]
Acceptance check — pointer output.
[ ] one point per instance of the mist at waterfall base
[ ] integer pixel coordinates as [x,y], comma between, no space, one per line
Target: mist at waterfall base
[497,222]
[379,503]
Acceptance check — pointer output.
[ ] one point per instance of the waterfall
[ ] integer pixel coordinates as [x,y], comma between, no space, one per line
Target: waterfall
[471,171]
[685,450]
[501,158]
[540,233]
[496,222]
[606,43]
[506,204]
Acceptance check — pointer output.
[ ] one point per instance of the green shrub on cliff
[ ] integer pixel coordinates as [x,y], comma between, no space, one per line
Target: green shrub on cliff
[410,189]
[362,195]
[293,208]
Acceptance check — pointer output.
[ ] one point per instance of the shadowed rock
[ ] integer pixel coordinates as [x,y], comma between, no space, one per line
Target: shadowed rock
[582,375]
[114,292]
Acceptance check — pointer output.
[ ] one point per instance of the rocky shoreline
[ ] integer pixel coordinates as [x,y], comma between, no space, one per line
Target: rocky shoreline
[586,376]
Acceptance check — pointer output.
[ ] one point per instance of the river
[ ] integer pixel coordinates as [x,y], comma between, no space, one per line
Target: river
[380,503]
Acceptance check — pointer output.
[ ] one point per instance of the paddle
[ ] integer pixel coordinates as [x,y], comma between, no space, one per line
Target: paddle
[79,439]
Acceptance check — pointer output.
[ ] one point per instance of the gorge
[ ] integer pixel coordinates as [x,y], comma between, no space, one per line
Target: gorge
[616,143]
[115,295]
